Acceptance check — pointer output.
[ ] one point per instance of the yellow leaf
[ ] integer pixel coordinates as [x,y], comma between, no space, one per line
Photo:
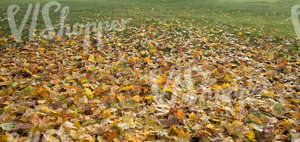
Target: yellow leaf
[106,113]
[91,58]
[269,94]
[240,33]
[47,110]
[121,98]
[83,81]
[127,88]
[73,134]
[223,108]
[136,98]
[251,135]
[226,85]
[153,51]
[218,87]
[150,98]
[254,119]
[286,123]
[133,59]
[210,126]
[88,93]
[77,124]
[42,92]
[237,108]
[216,120]
[147,60]
[99,59]
[100,90]
[192,116]
[168,90]
[94,69]
[41,49]
[161,80]
[104,87]
[180,132]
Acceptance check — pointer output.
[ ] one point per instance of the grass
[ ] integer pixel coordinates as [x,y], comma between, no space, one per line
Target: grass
[264,15]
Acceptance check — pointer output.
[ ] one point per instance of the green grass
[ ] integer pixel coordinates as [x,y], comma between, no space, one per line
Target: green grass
[263,15]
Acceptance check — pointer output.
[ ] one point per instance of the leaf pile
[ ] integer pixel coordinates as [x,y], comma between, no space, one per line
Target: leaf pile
[135,86]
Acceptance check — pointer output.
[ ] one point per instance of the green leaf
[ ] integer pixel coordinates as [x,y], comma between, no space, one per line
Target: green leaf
[8,126]
[278,107]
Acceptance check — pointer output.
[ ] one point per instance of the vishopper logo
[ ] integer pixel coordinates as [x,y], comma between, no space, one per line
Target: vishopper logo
[295,19]
[186,81]
[63,29]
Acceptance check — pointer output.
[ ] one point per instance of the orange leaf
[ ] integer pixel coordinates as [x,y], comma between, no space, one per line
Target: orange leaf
[180,115]
[161,80]
[197,55]
[111,135]
[3,138]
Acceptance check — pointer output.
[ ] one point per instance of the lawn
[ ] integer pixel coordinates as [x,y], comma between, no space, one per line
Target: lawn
[268,16]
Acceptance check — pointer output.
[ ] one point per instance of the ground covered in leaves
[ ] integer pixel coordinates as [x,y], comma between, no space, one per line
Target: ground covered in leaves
[162,81]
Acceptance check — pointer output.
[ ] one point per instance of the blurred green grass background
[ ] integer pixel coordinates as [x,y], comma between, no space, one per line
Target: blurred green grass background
[267,16]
